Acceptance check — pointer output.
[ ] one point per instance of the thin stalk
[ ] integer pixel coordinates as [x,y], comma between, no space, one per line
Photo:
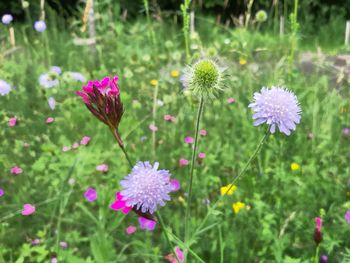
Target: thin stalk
[252,157]
[154,115]
[194,152]
[160,219]
[317,254]
[121,145]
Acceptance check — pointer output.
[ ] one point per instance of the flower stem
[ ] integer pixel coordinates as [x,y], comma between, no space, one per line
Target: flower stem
[121,145]
[154,115]
[252,157]
[317,254]
[194,152]
[160,219]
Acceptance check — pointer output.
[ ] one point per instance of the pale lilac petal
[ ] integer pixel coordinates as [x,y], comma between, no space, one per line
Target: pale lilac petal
[147,224]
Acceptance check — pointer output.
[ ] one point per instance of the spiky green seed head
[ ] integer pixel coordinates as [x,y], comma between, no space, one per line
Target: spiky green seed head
[261,16]
[203,79]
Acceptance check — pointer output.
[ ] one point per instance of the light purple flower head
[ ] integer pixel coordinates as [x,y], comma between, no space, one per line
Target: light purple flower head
[146,187]
[5,88]
[6,19]
[276,107]
[77,76]
[40,26]
[56,69]
[48,81]
[347,216]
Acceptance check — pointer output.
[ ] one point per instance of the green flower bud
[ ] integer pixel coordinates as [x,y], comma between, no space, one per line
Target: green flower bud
[261,16]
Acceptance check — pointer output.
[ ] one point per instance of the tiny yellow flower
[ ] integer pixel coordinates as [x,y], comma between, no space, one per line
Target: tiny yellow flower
[181,199]
[238,206]
[242,61]
[294,167]
[154,82]
[174,73]
[223,189]
[348,193]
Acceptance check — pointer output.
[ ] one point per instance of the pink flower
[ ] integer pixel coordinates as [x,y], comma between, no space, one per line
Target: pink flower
[16,170]
[12,121]
[85,140]
[50,120]
[63,244]
[347,216]
[169,118]
[189,140]
[183,162]
[2,192]
[54,260]
[175,185]
[147,224]
[35,242]
[172,259]
[231,100]
[28,209]
[119,204]
[102,168]
[66,148]
[203,132]
[90,194]
[201,155]
[153,127]
[318,224]
[130,230]
[75,145]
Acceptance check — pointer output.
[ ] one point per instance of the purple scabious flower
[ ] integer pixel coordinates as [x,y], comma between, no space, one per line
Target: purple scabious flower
[48,80]
[146,187]
[276,107]
[5,88]
[6,19]
[40,26]
[77,76]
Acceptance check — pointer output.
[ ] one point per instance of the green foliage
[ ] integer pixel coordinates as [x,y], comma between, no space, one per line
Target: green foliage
[277,223]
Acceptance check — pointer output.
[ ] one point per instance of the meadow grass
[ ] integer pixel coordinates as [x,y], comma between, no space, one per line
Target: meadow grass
[277,222]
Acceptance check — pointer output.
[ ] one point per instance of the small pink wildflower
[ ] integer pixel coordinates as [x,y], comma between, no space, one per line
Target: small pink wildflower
[201,155]
[102,168]
[16,170]
[318,224]
[147,223]
[12,121]
[85,140]
[75,145]
[231,100]
[183,162]
[90,194]
[2,192]
[119,204]
[35,242]
[189,140]
[172,259]
[54,260]
[130,230]
[347,216]
[203,132]
[50,120]
[28,209]
[153,127]
[175,185]
[169,118]
[66,148]
[63,244]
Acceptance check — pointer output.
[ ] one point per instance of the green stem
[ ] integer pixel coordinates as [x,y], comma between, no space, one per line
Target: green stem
[317,254]
[252,157]
[160,219]
[194,152]
[154,115]
[121,144]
